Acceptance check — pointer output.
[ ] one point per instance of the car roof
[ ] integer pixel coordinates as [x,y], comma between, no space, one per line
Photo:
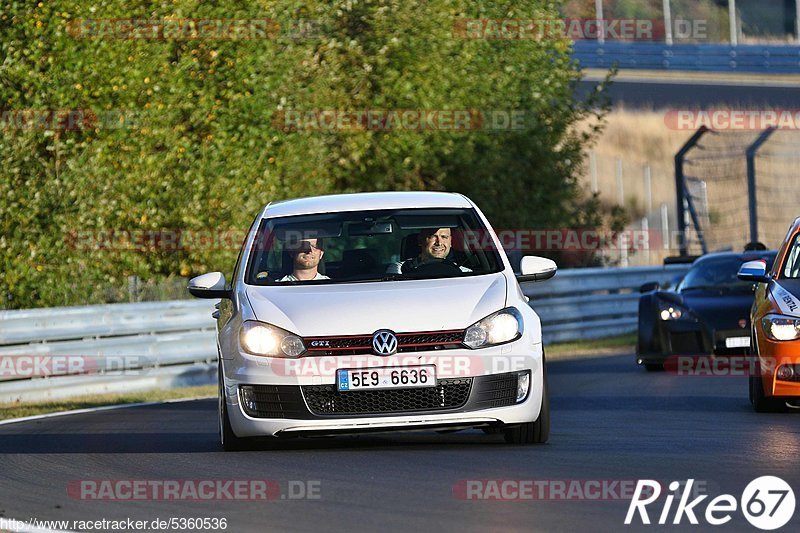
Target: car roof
[751,255]
[364,202]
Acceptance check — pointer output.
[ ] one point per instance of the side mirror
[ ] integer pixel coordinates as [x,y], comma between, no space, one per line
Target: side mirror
[533,268]
[211,285]
[649,286]
[754,271]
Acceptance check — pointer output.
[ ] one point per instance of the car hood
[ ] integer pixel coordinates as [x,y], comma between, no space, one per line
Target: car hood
[363,308]
[722,311]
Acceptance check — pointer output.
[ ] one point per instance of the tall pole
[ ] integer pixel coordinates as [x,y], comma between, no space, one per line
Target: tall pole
[750,153]
[680,188]
[732,20]
[797,20]
[598,13]
[668,23]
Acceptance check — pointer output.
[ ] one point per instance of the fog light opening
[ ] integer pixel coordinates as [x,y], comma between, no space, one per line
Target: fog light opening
[523,384]
[248,398]
[786,372]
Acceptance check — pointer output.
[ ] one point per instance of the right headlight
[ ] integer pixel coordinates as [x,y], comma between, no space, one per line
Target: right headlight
[259,338]
[497,328]
[781,328]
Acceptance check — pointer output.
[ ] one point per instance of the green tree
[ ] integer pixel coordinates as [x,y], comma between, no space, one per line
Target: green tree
[187,136]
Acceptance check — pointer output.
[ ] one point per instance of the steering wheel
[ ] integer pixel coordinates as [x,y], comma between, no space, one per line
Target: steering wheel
[435,268]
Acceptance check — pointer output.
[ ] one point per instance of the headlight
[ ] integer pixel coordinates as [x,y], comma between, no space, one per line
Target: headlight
[781,328]
[670,311]
[497,328]
[259,338]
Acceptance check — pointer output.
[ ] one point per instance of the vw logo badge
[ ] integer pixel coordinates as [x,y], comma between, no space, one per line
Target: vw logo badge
[384,342]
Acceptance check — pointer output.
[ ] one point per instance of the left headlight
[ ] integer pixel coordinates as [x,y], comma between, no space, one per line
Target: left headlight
[497,328]
[259,338]
[671,311]
[781,328]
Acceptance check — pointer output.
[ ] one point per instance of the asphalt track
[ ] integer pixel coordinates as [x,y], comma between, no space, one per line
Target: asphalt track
[649,94]
[610,421]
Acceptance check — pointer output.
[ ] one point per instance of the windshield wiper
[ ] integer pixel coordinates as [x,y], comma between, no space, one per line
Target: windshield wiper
[384,277]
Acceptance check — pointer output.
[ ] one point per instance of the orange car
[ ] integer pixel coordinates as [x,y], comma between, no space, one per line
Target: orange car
[775,327]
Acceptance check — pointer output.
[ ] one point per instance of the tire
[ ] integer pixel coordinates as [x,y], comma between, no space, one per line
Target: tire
[227,438]
[760,401]
[654,367]
[536,432]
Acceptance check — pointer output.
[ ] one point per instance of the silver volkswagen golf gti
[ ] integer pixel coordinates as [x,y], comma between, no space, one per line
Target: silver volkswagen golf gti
[377,312]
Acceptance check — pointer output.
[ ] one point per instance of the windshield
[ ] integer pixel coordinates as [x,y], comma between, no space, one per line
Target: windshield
[791,265]
[359,246]
[719,273]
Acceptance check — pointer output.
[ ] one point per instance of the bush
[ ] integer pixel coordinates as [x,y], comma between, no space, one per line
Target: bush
[183,135]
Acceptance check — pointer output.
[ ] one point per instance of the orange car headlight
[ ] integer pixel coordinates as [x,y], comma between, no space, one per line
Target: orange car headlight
[781,328]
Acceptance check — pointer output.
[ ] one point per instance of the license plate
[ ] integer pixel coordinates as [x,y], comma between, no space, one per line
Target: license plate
[737,342]
[396,377]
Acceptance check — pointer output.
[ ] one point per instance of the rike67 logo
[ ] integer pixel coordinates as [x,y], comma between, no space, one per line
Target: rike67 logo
[767,503]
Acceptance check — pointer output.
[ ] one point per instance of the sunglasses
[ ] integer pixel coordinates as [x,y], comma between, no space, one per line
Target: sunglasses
[303,247]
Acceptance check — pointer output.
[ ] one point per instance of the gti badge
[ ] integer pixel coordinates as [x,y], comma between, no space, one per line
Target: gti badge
[384,342]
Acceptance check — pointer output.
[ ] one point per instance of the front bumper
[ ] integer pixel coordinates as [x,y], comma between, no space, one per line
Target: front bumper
[301,414]
[773,354]
[693,338]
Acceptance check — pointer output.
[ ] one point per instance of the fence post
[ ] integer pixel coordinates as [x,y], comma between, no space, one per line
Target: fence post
[667,24]
[598,14]
[680,186]
[751,180]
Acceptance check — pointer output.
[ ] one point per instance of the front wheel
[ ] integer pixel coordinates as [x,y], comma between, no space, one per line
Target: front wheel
[538,431]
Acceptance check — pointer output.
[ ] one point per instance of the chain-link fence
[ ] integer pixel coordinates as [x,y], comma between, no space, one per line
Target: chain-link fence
[739,187]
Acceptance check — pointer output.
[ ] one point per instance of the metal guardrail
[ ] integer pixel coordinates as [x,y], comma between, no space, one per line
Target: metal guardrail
[131,347]
[776,59]
[54,353]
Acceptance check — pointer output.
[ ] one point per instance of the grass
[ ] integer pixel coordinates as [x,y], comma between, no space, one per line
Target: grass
[579,348]
[17,410]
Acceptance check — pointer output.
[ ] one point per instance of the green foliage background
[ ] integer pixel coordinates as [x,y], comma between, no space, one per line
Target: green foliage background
[198,150]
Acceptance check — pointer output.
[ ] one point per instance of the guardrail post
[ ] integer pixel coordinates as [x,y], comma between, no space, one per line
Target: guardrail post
[751,180]
[680,186]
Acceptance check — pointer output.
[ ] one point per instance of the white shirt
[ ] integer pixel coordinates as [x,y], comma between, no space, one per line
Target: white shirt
[292,277]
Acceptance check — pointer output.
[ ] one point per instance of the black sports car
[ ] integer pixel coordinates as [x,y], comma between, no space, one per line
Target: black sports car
[707,313]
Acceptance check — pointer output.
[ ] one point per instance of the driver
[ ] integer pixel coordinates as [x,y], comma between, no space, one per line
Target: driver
[306,256]
[435,244]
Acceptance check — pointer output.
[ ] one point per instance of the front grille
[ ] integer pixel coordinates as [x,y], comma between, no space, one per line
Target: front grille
[447,394]
[684,343]
[272,401]
[406,342]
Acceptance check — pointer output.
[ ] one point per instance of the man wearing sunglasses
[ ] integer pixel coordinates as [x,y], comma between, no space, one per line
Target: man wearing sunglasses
[306,255]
